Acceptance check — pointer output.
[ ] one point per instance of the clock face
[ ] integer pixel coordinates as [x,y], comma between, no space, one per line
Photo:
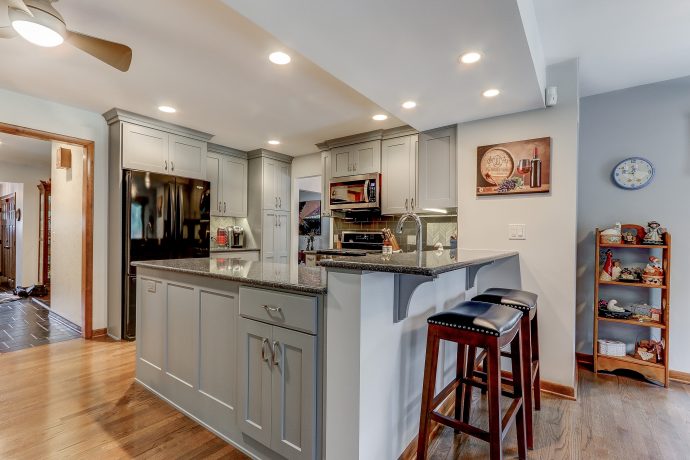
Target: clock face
[633,173]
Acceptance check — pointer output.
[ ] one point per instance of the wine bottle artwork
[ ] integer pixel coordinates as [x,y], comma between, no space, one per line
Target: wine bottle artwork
[535,170]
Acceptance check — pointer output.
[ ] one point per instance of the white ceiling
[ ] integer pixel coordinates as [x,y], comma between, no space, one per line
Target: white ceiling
[620,44]
[201,57]
[24,151]
[409,49]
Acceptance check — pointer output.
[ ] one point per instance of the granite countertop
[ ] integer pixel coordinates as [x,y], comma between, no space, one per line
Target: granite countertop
[432,263]
[227,249]
[299,278]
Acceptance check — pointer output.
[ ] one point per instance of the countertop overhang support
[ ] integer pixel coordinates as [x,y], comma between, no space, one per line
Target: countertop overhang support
[405,285]
[471,273]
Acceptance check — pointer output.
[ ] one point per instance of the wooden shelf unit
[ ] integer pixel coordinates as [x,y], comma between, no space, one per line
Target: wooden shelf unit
[652,371]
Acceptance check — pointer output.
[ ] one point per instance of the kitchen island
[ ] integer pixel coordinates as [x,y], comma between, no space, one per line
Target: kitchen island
[298,362]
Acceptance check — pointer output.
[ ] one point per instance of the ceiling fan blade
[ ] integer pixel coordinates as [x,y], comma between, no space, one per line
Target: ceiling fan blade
[7,32]
[113,54]
[19,5]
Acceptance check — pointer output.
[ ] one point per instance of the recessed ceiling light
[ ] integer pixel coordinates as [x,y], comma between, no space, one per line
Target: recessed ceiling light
[279,58]
[380,117]
[409,105]
[493,92]
[470,58]
[274,142]
[167,109]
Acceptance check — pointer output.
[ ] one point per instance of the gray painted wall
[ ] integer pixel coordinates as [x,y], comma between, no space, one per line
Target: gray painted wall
[651,121]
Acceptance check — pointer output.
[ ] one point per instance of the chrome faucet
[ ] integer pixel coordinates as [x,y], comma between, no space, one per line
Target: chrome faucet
[418,224]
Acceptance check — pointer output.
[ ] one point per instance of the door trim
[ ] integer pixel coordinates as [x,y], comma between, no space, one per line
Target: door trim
[87,215]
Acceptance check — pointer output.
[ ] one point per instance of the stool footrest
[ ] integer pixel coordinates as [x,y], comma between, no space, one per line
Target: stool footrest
[460,426]
[508,417]
[439,398]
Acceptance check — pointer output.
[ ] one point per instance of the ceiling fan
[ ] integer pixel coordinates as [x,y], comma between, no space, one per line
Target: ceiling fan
[39,23]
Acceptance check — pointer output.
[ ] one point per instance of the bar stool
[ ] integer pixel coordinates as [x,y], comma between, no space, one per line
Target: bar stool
[475,324]
[526,302]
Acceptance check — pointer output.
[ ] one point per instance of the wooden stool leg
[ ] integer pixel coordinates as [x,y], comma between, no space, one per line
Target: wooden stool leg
[485,378]
[526,371]
[517,355]
[428,389]
[460,373]
[467,404]
[494,375]
[535,358]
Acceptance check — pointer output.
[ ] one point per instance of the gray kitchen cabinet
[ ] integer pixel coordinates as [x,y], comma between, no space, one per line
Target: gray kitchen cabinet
[228,177]
[255,385]
[145,149]
[278,388]
[399,175]
[151,313]
[437,169]
[351,160]
[153,150]
[187,157]
[275,243]
[276,177]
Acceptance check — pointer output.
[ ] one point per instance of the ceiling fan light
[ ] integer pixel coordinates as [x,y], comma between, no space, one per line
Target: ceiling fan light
[38,34]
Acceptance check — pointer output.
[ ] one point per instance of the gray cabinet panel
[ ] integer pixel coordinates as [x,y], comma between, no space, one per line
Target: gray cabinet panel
[213,175]
[187,157]
[234,187]
[218,346]
[182,332]
[144,148]
[151,318]
[437,165]
[280,308]
[293,394]
[255,379]
[398,174]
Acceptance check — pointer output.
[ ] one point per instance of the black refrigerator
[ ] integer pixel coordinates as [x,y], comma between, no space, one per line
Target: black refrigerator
[164,217]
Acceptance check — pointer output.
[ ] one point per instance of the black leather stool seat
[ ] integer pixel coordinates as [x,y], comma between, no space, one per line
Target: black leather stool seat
[522,300]
[482,317]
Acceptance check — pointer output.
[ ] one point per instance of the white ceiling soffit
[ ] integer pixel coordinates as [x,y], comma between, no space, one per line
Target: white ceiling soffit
[620,44]
[394,51]
[25,151]
[201,57]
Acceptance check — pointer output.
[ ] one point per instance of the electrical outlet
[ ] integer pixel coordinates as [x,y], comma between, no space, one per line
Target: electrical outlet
[517,232]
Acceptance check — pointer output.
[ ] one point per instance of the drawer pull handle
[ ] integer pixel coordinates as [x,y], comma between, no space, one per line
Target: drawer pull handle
[272,309]
[274,349]
[264,342]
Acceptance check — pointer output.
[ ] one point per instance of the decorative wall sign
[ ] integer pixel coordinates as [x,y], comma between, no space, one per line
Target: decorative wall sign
[514,167]
[633,173]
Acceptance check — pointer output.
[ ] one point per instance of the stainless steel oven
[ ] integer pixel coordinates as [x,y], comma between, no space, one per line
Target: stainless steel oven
[355,192]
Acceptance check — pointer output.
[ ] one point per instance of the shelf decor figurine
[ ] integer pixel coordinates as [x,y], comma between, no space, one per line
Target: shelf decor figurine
[653,273]
[607,269]
[612,235]
[654,233]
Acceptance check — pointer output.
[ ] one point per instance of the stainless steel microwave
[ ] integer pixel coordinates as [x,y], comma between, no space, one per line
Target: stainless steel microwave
[355,192]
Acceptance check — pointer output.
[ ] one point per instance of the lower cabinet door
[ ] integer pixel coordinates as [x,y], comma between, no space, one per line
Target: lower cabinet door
[255,379]
[151,305]
[294,394]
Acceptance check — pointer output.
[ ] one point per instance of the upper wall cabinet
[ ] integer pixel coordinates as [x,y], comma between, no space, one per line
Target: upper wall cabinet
[437,169]
[352,160]
[276,185]
[147,144]
[228,177]
[399,175]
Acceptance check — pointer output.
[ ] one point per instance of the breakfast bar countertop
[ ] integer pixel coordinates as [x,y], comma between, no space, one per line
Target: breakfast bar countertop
[432,263]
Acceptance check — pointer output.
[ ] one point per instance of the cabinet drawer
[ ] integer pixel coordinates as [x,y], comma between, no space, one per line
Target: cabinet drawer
[279,308]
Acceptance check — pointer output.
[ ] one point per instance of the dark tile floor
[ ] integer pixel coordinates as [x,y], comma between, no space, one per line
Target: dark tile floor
[24,324]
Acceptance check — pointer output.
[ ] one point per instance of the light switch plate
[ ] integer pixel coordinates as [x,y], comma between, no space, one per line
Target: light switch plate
[517,232]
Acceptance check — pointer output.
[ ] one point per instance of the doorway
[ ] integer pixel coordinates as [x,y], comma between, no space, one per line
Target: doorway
[74,160]
[313,230]
[8,238]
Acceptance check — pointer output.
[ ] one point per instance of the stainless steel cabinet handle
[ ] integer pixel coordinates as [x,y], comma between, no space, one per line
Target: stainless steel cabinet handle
[412,204]
[276,198]
[275,347]
[219,209]
[264,342]
[166,165]
[225,206]
[172,166]
[272,309]
[280,202]
[406,202]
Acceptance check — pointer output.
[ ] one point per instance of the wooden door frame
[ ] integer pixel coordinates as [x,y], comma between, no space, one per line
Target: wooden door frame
[87,215]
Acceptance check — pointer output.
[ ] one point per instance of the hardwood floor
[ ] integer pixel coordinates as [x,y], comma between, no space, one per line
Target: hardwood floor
[77,399]
[615,417]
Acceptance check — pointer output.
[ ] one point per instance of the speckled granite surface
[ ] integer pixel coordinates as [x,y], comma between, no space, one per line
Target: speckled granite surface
[432,262]
[311,280]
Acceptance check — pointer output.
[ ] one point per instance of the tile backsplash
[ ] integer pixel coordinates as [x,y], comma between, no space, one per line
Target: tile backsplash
[224,222]
[436,229]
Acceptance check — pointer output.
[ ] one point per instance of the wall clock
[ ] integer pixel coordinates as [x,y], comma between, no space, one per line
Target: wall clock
[633,173]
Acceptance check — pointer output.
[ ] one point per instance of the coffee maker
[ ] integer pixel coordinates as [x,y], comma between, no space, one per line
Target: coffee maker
[236,236]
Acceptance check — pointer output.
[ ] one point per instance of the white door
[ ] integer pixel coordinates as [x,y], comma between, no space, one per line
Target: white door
[437,182]
[366,157]
[187,157]
[282,186]
[144,149]
[398,174]
[234,187]
[269,182]
[255,384]
[293,394]
[213,175]
[341,162]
